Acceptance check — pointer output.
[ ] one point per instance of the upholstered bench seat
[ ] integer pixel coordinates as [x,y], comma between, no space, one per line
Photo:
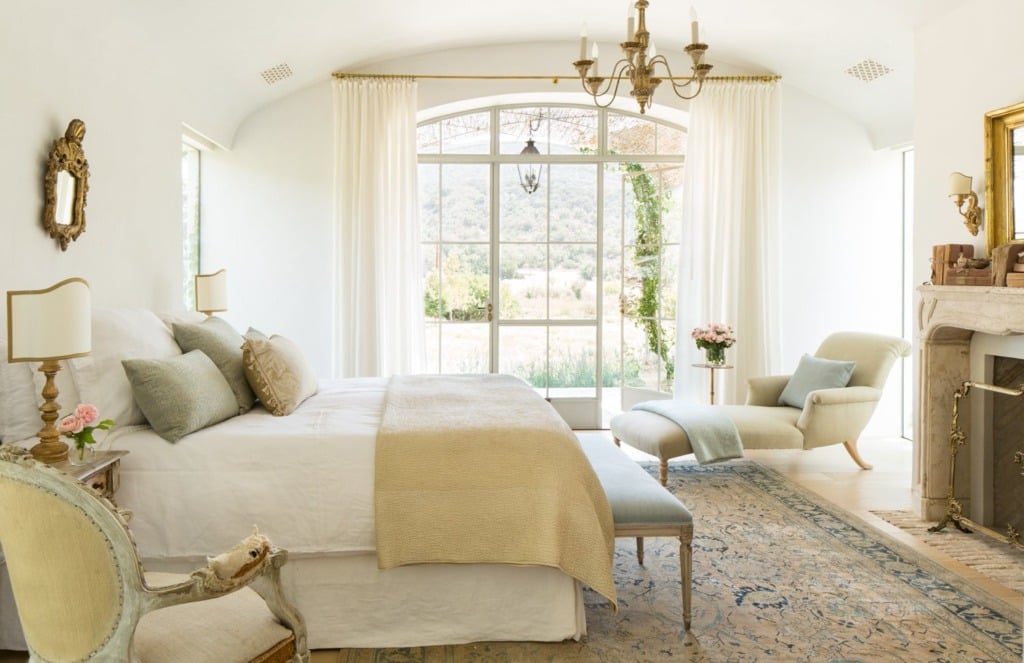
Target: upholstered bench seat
[640,507]
[759,427]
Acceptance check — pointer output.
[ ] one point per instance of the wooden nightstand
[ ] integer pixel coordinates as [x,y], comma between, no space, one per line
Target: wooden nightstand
[102,473]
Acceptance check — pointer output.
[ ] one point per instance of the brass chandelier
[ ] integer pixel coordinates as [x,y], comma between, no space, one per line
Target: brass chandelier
[638,65]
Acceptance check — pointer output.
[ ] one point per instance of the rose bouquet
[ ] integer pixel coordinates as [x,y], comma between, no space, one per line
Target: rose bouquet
[713,340]
[80,425]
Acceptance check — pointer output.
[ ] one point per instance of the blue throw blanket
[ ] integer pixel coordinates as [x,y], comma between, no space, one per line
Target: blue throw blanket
[713,436]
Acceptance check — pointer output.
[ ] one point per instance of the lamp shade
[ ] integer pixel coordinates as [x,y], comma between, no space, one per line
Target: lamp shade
[55,323]
[959,184]
[212,291]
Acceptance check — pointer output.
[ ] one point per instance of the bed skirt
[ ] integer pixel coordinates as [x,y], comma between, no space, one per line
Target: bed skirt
[348,602]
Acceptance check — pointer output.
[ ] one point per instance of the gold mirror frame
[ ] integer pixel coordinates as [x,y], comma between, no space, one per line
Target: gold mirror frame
[68,159]
[999,212]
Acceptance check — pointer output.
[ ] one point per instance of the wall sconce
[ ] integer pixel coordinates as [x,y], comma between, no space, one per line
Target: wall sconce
[212,292]
[961,192]
[47,326]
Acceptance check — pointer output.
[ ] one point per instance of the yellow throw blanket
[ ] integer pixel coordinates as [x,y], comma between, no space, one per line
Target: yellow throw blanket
[480,469]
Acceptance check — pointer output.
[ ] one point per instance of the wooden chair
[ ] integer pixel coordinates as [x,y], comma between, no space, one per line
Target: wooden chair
[82,594]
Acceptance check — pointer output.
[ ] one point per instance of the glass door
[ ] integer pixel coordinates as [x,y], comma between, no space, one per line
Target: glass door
[650,223]
[547,256]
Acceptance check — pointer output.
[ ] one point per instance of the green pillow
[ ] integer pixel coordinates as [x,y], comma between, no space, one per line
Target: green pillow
[181,394]
[812,374]
[221,343]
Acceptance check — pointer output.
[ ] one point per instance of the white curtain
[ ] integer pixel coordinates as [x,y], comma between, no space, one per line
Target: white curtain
[379,320]
[729,254]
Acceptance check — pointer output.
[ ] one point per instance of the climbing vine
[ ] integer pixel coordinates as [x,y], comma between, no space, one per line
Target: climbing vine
[649,206]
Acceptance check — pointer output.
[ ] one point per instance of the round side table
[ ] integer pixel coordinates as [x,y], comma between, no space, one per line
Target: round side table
[711,371]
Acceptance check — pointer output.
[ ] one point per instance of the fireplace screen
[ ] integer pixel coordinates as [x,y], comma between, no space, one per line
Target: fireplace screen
[1011,474]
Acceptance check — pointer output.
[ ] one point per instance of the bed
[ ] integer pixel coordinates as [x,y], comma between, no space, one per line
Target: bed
[308,481]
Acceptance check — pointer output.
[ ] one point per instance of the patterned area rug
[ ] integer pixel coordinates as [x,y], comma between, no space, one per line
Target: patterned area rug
[779,575]
[987,556]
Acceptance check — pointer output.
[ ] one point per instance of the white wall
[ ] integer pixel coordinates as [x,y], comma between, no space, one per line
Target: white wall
[268,218]
[968,63]
[841,242]
[51,73]
[840,267]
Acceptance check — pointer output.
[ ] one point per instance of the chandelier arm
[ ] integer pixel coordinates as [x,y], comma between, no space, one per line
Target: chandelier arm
[700,86]
[611,83]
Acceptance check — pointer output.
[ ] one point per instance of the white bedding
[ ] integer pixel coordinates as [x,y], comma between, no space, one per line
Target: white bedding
[306,479]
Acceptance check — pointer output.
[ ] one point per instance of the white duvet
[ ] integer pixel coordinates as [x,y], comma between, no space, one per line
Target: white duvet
[305,479]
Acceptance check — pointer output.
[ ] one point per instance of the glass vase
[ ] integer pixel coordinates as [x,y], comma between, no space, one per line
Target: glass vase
[80,455]
[715,355]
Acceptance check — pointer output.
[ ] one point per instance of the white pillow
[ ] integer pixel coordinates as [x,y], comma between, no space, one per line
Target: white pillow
[21,394]
[119,334]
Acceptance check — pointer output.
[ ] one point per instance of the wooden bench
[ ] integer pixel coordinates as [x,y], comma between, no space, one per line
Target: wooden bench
[642,508]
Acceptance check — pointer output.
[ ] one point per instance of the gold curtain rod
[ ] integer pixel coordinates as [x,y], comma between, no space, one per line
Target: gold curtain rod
[553,79]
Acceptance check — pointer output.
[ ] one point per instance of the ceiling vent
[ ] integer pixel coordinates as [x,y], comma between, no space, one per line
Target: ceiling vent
[276,74]
[868,70]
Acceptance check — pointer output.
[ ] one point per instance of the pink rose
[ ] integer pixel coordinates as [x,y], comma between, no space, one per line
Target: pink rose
[89,414]
[70,424]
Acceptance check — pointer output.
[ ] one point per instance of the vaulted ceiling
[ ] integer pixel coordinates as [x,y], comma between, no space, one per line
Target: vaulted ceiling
[221,52]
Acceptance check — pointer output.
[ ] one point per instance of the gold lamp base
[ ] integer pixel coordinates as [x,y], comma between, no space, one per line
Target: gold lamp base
[50,448]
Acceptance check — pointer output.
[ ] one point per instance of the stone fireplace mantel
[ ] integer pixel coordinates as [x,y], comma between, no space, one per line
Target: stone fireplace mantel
[947,318]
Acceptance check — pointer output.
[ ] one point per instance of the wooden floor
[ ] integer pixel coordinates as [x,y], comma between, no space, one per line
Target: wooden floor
[831,473]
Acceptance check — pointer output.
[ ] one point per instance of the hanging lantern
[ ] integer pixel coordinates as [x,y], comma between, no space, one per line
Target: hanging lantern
[530,173]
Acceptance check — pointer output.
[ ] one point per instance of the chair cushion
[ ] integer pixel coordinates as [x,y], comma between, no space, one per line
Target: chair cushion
[235,627]
[812,374]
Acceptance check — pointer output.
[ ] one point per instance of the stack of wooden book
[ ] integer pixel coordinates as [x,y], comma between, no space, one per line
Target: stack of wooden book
[950,266]
[1015,278]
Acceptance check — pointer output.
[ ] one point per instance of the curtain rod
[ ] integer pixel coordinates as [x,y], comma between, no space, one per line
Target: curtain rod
[553,79]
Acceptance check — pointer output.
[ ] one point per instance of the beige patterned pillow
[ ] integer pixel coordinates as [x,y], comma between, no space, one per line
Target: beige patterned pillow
[278,372]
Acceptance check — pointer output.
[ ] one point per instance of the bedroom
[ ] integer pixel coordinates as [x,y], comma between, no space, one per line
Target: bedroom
[112,68]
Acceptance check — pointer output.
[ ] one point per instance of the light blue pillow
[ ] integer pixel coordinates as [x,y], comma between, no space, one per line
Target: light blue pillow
[812,374]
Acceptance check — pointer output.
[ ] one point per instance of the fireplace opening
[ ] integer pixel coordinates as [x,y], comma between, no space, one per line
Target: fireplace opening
[997,434]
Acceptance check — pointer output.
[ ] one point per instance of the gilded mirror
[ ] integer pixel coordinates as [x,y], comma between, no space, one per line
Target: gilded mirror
[1004,175]
[66,183]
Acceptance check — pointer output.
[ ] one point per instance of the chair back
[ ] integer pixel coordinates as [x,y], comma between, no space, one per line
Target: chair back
[71,560]
[873,354]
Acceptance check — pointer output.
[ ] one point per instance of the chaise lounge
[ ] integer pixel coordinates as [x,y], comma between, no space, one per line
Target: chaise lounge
[830,415]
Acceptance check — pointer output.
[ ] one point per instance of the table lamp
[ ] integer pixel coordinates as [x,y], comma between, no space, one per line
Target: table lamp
[47,326]
[212,292]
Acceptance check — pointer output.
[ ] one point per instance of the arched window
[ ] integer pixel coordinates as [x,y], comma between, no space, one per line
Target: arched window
[550,239]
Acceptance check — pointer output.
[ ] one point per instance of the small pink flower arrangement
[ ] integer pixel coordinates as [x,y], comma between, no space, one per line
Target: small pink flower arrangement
[714,335]
[713,340]
[81,423]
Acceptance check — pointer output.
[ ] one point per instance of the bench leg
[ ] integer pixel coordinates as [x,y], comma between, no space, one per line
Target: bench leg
[686,571]
[640,550]
[663,472]
[617,441]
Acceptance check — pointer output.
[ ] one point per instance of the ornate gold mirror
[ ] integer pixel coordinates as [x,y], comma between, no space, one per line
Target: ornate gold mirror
[67,181]
[1004,175]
